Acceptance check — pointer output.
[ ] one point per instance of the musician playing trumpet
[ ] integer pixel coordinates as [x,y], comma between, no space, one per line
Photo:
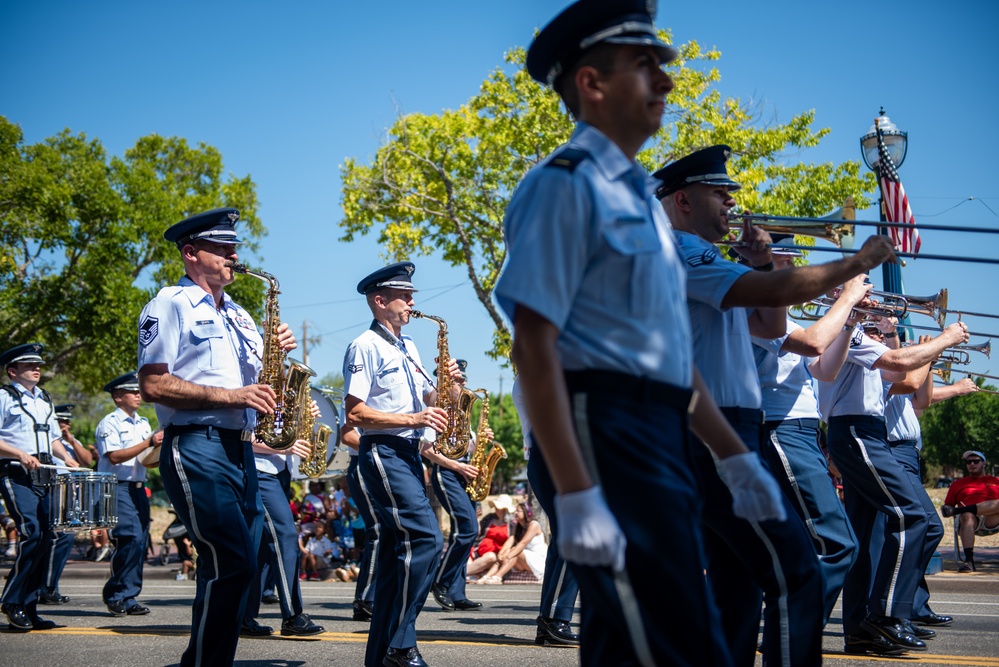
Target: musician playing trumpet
[390,399]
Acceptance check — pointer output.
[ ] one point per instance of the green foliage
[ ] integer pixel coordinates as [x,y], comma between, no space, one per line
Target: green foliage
[81,238]
[954,426]
[439,184]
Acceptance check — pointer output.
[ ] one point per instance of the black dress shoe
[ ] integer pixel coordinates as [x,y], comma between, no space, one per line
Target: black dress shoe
[404,657]
[442,597]
[136,609]
[251,628]
[18,619]
[117,608]
[919,633]
[552,632]
[38,623]
[894,631]
[858,644]
[300,625]
[269,598]
[362,610]
[51,597]
[466,605]
[932,619]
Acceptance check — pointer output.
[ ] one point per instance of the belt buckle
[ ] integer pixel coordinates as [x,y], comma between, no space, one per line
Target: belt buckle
[246,436]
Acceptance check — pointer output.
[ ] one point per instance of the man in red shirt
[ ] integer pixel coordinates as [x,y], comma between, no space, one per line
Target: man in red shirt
[975,497]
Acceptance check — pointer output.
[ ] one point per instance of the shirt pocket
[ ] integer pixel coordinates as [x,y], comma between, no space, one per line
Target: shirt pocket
[208,339]
[637,268]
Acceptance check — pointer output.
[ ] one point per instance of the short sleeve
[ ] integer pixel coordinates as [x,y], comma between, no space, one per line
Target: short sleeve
[107,438]
[158,337]
[864,350]
[774,345]
[357,372]
[709,276]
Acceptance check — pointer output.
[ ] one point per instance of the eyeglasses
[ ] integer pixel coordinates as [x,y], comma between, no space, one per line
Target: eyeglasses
[974,461]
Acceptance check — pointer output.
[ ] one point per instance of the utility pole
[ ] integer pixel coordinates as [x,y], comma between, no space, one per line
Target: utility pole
[306,340]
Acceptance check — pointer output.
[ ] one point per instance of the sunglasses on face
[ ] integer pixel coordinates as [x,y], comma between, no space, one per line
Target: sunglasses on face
[974,461]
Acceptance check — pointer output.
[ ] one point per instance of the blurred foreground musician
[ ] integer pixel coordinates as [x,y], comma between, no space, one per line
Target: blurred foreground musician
[28,438]
[199,359]
[121,437]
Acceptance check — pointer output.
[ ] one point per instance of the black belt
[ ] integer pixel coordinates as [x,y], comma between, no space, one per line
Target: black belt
[224,433]
[743,415]
[897,443]
[636,388]
[857,419]
[132,485]
[394,441]
[803,422]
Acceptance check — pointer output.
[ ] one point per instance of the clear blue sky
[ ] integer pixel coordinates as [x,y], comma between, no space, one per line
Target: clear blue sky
[286,91]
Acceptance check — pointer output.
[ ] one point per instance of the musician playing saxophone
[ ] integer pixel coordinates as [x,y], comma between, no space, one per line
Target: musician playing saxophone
[390,398]
[449,479]
[199,359]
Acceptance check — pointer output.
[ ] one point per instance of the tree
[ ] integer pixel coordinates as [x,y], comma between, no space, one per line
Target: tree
[81,241]
[439,184]
[952,427]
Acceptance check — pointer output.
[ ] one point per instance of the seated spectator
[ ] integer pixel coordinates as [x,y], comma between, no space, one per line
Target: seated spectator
[187,553]
[524,551]
[493,533]
[975,498]
[318,553]
[10,532]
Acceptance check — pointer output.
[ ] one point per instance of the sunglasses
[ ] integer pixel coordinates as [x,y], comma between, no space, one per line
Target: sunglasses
[971,461]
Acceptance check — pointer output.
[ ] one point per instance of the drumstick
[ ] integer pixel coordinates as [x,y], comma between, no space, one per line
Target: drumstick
[53,467]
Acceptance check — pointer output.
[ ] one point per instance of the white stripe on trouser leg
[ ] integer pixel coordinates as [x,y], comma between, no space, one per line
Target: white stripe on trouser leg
[785,621]
[622,582]
[279,557]
[809,522]
[22,529]
[450,537]
[373,561]
[558,589]
[404,603]
[189,498]
[52,558]
[889,603]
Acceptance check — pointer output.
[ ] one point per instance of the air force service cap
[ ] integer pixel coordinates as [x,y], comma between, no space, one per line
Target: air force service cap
[395,276]
[64,412]
[706,166]
[28,353]
[585,24]
[127,382]
[217,226]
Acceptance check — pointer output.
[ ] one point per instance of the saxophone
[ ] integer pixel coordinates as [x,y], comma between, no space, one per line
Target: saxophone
[478,488]
[453,441]
[291,385]
[317,463]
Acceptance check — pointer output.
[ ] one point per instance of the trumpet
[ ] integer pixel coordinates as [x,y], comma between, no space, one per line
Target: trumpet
[836,228]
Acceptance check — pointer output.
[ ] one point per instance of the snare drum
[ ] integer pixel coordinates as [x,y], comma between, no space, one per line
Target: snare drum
[83,500]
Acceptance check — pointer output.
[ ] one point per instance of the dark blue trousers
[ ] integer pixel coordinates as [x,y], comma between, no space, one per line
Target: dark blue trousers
[906,452]
[129,538]
[874,483]
[769,561]
[28,506]
[278,547]
[210,477]
[56,557]
[365,589]
[449,487]
[559,589]
[791,450]
[637,448]
[409,547]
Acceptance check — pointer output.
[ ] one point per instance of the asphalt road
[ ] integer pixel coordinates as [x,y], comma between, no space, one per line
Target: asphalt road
[500,634]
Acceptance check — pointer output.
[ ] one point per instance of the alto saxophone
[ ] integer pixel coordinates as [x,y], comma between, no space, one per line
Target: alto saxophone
[453,441]
[291,385]
[479,487]
[317,463]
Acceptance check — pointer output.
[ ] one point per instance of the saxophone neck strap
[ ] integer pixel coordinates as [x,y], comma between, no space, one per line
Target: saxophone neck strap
[397,343]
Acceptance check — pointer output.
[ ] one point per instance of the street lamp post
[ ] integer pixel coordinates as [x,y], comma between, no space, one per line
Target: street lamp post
[897,143]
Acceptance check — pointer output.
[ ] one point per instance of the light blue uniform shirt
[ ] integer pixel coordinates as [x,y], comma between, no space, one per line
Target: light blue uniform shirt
[17,428]
[590,249]
[379,374]
[119,431]
[900,416]
[182,329]
[858,389]
[273,463]
[722,348]
[784,379]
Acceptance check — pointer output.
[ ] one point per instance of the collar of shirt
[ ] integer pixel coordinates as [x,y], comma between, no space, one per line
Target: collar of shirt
[196,294]
[35,393]
[123,416]
[609,158]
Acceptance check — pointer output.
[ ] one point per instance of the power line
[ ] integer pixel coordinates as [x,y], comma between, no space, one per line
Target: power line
[446,289]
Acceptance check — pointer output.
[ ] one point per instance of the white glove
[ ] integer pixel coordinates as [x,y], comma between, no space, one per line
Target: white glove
[588,533]
[755,494]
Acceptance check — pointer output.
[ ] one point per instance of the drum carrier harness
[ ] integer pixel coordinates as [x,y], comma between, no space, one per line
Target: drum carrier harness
[41,476]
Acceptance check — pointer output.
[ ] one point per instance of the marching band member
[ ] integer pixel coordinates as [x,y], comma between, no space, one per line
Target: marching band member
[28,439]
[364,591]
[390,399]
[879,591]
[199,359]
[120,437]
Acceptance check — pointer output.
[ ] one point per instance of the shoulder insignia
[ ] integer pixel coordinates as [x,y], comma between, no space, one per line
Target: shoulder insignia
[354,368]
[568,158]
[857,339]
[148,330]
[706,257]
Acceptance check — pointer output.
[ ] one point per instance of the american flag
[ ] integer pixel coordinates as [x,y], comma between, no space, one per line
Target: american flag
[906,238]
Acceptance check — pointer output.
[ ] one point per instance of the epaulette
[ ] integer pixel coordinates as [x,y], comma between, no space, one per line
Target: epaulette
[568,158]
